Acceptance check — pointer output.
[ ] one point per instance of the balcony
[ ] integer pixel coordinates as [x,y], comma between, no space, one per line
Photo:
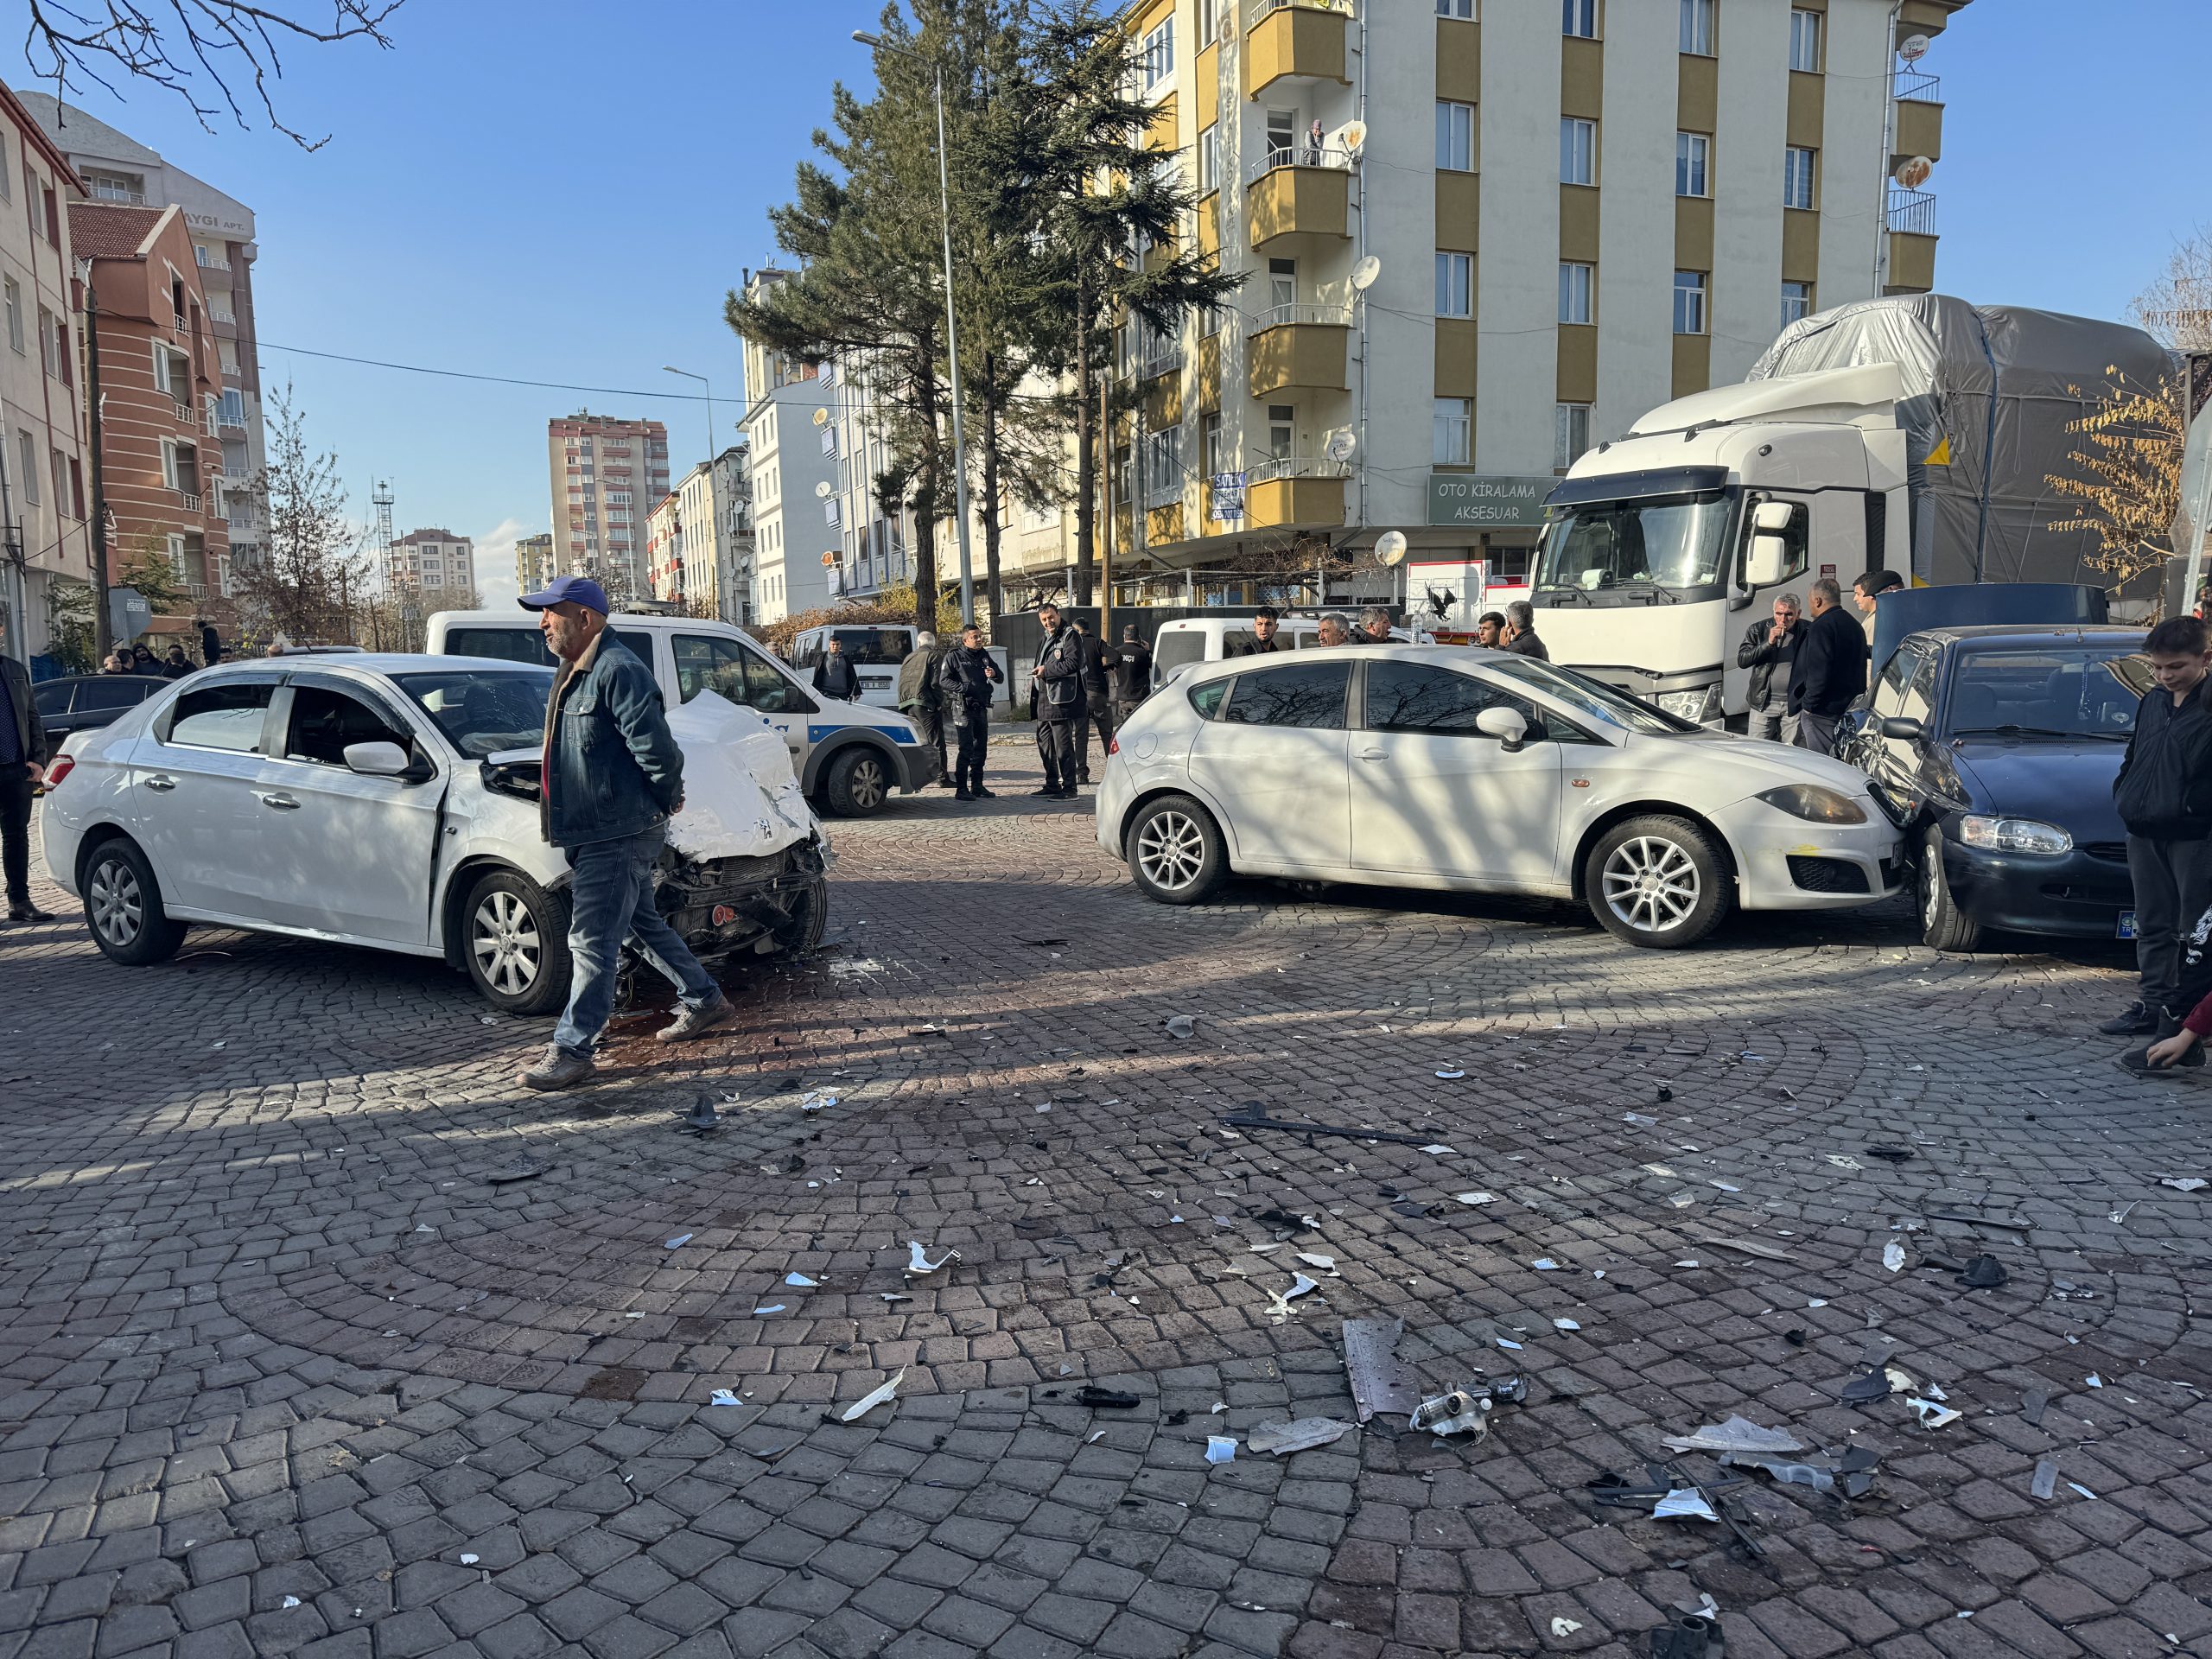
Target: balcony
[1300,189]
[1911,220]
[1919,114]
[1288,40]
[1298,347]
[1285,490]
[1161,357]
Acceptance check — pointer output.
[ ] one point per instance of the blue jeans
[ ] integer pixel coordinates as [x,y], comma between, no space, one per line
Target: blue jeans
[611,899]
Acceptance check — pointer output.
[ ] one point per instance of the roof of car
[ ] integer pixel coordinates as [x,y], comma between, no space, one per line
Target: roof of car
[2030,633]
[373,661]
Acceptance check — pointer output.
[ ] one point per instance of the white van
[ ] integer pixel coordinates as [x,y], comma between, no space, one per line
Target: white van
[874,650]
[1206,639]
[849,757]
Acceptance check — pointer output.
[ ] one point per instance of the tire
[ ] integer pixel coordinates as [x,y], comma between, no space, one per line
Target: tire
[514,937]
[1657,882]
[859,781]
[1943,925]
[1175,852]
[811,920]
[123,906]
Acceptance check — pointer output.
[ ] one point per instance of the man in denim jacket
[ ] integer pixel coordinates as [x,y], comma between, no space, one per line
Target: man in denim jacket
[613,775]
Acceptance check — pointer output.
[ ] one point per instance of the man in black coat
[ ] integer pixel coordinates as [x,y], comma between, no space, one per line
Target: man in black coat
[24,752]
[1132,675]
[964,683]
[1057,698]
[1830,669]
[1520,632]
[1766,648]
[1099,659]
[835,676]
[1260,642]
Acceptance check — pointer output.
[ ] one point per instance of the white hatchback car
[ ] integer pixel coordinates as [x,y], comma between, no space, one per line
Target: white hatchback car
[392,802]
[1443,766]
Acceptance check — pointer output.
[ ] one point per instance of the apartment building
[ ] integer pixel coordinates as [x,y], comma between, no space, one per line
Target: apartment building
[1444,209]
[437,562]
[45,540]
[698,538]
[796,513]
[534,564]
[607,474]
[117,169]
[161,466]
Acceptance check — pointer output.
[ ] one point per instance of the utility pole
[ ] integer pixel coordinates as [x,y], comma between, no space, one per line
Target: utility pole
[1106,530]
[103,628]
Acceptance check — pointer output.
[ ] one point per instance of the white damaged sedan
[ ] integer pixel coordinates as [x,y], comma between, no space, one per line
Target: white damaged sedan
[392,802]
[1444,767]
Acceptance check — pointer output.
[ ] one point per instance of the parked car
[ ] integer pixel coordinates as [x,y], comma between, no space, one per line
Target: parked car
[874,650]
[392,802]
[1996,746]
[1435,766]
[850,757]
[80,702]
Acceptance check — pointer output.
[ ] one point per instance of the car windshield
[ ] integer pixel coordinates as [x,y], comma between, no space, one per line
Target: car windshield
[1588,696]
[873,647]
[2081,690]
[480,712]
[1642,552]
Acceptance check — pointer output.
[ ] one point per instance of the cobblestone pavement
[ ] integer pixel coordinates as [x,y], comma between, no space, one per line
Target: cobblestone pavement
[280,1372]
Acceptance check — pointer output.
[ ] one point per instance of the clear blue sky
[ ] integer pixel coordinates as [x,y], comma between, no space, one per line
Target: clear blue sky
[563,191]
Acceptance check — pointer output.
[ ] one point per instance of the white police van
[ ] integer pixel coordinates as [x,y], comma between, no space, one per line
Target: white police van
[874,649]
[850,757]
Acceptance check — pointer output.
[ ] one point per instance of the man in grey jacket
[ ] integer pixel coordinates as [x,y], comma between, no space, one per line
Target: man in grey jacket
[614,774]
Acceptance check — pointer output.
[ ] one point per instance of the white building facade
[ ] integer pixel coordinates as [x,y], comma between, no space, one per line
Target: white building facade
[797,512]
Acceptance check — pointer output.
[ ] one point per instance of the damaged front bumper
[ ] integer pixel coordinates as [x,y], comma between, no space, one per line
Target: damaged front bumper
[720,908]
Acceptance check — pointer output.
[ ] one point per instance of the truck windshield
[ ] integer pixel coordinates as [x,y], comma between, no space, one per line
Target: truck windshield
[1649,551]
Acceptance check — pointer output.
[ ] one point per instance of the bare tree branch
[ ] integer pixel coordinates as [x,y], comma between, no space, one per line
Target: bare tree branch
[179,44]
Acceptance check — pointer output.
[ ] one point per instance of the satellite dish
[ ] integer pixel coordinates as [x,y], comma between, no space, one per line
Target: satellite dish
[1353,136]
[1365,273]
[1913,47]
[1340,444]
[821,415]
[1914,174]
[822,490]
[828,560]
[1390,547]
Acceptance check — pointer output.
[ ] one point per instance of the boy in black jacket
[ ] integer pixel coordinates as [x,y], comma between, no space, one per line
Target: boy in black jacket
[2164,796]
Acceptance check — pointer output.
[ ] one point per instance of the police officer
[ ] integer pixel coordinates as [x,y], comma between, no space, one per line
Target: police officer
[964,683]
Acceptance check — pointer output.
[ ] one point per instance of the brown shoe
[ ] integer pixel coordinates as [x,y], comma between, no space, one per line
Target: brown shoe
[697,1022]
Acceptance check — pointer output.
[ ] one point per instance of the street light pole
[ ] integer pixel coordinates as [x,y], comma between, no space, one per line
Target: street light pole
[708,385]
[952,341]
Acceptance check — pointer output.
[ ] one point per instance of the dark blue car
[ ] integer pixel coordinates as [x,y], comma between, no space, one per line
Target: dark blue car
[1995,747]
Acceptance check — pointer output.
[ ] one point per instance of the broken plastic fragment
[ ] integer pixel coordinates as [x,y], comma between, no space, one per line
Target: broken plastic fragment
[721,1397]
[2045,1483]
[1893,1256]
[1932,1415]
[1326,1263]
[2080,1488]
[1845,1163]
[1475,1198]
[1564,1626]
[917,1260]
[892,1296]
[469,1560]
[288,1601]
[776,1308]
[879,1396]
[2186,1183]
[1737,1434]
[1659,1169]
[1438,1149]
[1685,1503]
[1451,1074]
[678,1242]
[800,1281]
[1565,1324]
[1545,1264]
[1181,1025]
[1221,1448]
[1303,1435]
[2094,1380]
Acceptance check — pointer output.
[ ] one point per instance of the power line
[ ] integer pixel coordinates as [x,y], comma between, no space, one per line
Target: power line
[498,380]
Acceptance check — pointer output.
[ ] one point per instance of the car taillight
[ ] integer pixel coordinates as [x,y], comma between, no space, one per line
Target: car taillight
[1113,746]
[62,766]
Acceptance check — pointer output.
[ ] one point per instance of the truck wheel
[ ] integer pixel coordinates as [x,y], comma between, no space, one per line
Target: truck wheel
[858,783]
[1657,882]
[1175,853]
[123,906]
[1942,926]
[514,935]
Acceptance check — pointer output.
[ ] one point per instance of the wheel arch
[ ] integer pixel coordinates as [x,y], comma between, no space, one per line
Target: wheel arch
[95,837]
[452,904]
[1152,792]
[1627,810]
[819,758]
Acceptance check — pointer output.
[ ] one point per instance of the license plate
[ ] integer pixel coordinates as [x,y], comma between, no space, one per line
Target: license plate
[722,916]
[2127,928]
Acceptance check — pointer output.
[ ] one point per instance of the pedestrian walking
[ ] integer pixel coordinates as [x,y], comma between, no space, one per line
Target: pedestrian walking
[920,700]
[24,752]
[1132,675]
[1520,632]
[2164,794]
[1489,630]
[1829,669]
[1768,645]
[1099,660]
[1056,698]
[1262,640]
[1374,627]
[613,773]
[835,676]
[964,680]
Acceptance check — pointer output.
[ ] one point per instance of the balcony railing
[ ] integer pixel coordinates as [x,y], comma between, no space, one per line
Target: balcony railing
[207,261]
[1261,8]
[1261,472]
[1286,316]
[1303,153]
[1161,356]
[1916,87]
[1912,211]
[187,501]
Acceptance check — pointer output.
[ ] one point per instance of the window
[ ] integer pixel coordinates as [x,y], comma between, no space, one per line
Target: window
[1416,697]
[27,471]
[228,716]
[14,313]
[1575,288]
[7,189]
[1210,447]
[1578,150]
[231,412]
[1455,285]
[53,219]
[1282,137]
[1796,302]
[1805,41]
[1692,158]
[1689,301]
[325,722]
[1460,8]
[1282,424]
[1163,466]
[1282,281]
[1888,690]
[76,487]
[704,663]
[1208,23]
[1209,161]
[60,463]
[1160,55]
[1797,177]
[1579,18]
[1299,694]
[1697,27]
[1452,431]
[46,343]
[1455,136]
[1570,434]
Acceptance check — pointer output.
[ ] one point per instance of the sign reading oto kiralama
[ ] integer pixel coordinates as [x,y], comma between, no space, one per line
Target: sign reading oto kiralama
[1489,500]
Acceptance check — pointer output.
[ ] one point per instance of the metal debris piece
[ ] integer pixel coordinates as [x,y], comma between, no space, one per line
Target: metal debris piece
[1461,1412]
[2045,1483]
[1690,1635]
[1853,1471]
[1983,1273]
[918,1261]
[1565,1324]
[1181,1025]
[1380,1380]
[1438,1149]
[1279,1307]
[1303,1435]
[1451,1074]
[1749,1247]
[2093,1380]
[1660,1169]
[881,1395]
[1932,1415]
[1685,1503]
[1326,1263]
[1736,1435]
[1100,1399]
[1253,1114]
[1545,1264]
[2010,1224]
[1871,1384]
[1845,1163]
[2080,1488]
[1221,1448]
[816,1099]
[773,1308]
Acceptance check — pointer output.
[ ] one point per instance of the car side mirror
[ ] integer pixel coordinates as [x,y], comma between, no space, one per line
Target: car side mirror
[378,759]
[1903,727]
[1505,725]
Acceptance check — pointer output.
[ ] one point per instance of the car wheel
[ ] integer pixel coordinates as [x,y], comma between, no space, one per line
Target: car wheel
[1657,882]
[810,914]
[1175,852]
[123,906]
[1943,927]
[858,783]
[514,935]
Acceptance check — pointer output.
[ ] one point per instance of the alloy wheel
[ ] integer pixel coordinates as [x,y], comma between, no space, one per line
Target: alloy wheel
[1171,850]
[1652,884]
[502,935]
[868,783]
[118,907]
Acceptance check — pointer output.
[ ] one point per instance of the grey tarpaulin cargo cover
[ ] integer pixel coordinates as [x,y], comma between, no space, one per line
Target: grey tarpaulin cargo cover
[2000,382]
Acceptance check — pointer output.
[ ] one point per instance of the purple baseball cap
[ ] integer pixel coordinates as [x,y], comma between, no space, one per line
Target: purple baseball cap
[582,589]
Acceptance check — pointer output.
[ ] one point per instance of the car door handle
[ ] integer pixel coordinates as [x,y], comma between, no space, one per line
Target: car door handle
[159,781]
[1375,754]
[282,803]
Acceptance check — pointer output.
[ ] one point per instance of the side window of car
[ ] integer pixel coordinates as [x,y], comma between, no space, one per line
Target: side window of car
[228,716]
[1417,698]
[1303,694]
[325,722]
[706,664]
[1206,698]
[118,691]
[1919,702]
[766,688]
[1888,690]
[53,698]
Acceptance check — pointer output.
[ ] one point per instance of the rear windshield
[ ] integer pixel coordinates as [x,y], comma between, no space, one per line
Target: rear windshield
[523,643]
[1172,650]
